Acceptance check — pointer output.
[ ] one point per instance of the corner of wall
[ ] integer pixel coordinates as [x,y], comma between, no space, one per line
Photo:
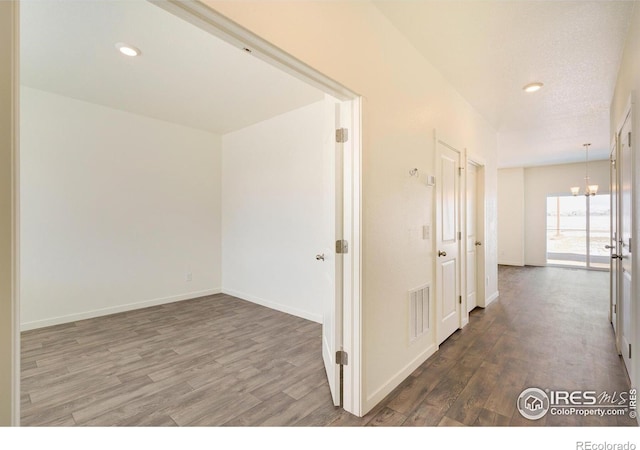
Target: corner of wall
[388,386]
[491,298]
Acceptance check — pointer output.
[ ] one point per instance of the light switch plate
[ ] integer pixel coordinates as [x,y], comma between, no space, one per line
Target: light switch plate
[426,232]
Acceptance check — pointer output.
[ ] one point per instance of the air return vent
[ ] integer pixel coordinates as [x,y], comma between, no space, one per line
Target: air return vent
[418,312]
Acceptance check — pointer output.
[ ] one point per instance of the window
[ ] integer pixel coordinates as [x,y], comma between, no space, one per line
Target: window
[578,228]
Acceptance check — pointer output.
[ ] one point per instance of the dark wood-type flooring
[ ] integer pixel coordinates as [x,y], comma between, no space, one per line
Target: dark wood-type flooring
[223,361]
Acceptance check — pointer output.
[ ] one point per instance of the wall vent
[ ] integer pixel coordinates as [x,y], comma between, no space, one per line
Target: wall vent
[418,312]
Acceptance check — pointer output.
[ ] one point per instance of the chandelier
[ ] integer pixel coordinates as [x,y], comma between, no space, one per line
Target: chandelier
[590,189]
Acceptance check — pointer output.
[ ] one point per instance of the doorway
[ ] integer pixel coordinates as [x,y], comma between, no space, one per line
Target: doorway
[344,302]
[475,271]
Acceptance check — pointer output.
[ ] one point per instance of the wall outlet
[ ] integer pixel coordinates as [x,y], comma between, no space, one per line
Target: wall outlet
[189,276]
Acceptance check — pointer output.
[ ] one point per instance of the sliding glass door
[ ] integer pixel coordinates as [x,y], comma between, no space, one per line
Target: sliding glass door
[577,231]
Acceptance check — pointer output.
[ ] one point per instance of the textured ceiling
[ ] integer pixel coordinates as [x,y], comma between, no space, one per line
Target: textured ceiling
[489,50]
[184,75]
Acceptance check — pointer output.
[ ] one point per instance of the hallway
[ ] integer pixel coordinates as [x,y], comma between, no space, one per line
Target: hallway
[549,329]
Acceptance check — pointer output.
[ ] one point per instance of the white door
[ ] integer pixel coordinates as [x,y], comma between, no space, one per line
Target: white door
[612,246]
[329,260]
[472,236]
[448,296]
[624,241]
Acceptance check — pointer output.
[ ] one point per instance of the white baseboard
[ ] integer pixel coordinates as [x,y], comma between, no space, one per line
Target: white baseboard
[274,305]
[491,298]
[511,263]
[393,382]
[115,309]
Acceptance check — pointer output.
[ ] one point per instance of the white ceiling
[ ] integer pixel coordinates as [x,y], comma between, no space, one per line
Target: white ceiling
[490,49]
[184,74]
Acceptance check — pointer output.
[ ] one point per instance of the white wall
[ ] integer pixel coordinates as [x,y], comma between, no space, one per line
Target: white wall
[9,374]
[272,212]
[522,206]
[116,209]
[553,180]
[511,217]
[628,85]
[404,99]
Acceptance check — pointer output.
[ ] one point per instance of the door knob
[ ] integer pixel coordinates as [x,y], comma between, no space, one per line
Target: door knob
[441,253]
[609,247]
[478,243]
[320,257]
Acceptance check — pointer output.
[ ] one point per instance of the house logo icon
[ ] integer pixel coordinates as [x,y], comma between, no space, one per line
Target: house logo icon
[533,403]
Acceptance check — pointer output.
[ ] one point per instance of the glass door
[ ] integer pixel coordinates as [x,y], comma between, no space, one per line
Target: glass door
[577,231]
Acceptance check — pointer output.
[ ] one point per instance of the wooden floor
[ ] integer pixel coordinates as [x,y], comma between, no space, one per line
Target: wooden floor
[222,361]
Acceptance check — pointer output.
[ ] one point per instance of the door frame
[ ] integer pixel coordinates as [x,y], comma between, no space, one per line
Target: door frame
[635,220]
[635,234]
[215,23]
[480,199]
[11,38]
[352,385]
[614,280]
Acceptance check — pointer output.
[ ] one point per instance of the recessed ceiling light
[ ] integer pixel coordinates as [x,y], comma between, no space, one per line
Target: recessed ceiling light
[127,49]
[533,87]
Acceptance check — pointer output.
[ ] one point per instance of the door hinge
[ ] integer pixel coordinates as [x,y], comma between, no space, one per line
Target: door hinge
[459,235]
[629,351]
[342,135]
[460,299]
[629,138]
[615,309]
[460,171]
[342,358]
[342,246]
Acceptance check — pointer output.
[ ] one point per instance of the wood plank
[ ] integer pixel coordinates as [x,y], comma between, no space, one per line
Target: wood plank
[298,390]
[425,415]
[130,412]
[447,390]
[471,400]
[513,376]
[387,418]
[57,408]
[297,411]
[321,416]
[488,418]
[261,412]
[447,422]
[411,393]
